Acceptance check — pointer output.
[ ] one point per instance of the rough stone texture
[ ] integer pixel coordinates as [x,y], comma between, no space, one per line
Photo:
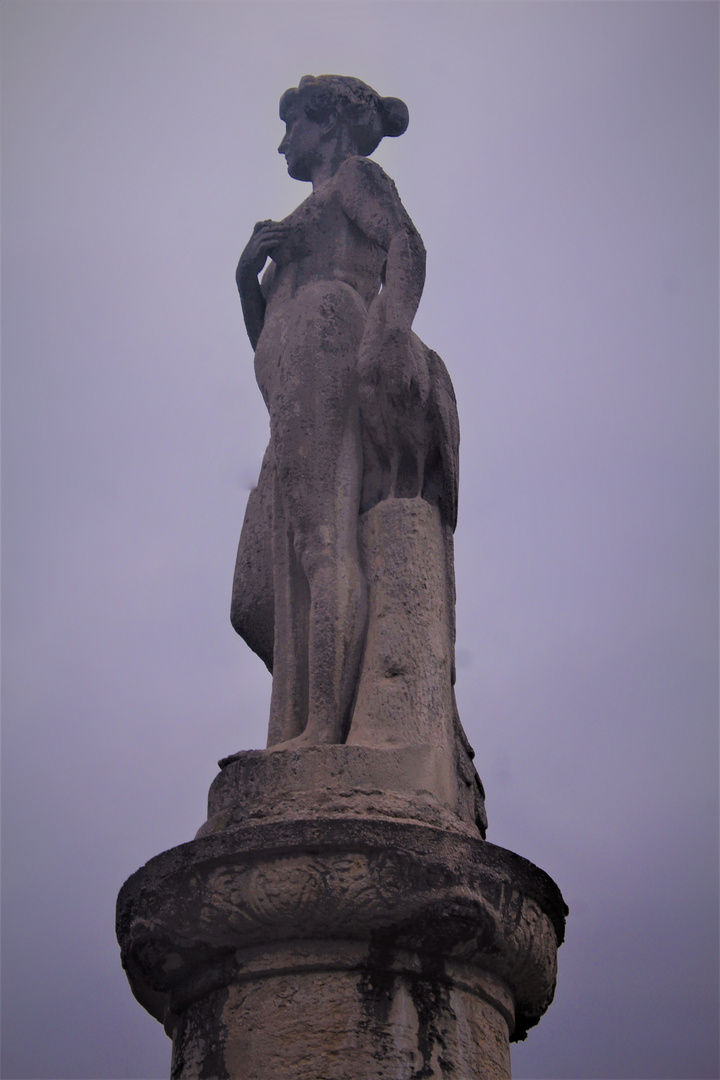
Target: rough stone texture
[405,696]
[341,946]
[405,687]
[412,783]
[344,579]
[345,1018]
[339,916]
[362,414]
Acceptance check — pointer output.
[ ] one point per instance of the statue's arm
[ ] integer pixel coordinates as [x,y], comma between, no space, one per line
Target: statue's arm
[265,238]
[371,201]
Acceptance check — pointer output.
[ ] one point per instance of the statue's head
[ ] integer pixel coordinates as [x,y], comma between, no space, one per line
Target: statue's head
[345,110]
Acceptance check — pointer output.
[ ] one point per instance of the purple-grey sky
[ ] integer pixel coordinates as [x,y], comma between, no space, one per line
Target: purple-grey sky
[561,165]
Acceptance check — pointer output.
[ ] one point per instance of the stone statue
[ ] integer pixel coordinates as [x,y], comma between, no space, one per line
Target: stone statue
[340,912]
[361,412]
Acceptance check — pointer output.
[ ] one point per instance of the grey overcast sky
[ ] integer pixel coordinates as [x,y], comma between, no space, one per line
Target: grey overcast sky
[561,165]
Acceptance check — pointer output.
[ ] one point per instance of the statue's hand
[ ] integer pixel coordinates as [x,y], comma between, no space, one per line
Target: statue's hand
[267,235]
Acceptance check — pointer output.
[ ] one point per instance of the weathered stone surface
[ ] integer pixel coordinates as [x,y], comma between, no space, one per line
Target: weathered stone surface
[405,696]
[334,1014]
[339,916]
[368,946]
[362,414]
[411,783]
[405,685]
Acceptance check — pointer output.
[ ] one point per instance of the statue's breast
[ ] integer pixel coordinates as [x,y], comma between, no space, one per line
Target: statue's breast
[308,228]
[323,244]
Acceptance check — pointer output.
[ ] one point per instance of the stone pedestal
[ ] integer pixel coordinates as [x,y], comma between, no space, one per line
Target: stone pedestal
[365,933]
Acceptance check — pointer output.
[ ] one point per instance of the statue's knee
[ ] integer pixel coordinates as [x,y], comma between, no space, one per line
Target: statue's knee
[317,560]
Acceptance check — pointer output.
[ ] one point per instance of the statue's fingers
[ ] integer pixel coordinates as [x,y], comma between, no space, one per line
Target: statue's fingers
[269,242]
[271,234]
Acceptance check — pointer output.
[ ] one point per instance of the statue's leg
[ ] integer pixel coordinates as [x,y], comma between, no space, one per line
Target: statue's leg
[289,699]
[319,469]
[328,552]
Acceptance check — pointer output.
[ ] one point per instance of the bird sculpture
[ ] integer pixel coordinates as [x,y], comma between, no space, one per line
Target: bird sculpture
[410,426]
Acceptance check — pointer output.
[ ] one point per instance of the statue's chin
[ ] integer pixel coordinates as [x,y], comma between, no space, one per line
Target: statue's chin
[298,172]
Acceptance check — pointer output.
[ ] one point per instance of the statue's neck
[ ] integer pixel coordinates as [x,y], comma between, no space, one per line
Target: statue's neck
[334,154]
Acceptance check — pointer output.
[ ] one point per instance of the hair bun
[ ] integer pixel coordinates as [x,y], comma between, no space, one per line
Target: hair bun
[395,116]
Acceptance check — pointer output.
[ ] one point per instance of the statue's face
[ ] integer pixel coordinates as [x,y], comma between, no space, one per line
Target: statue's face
[302,144]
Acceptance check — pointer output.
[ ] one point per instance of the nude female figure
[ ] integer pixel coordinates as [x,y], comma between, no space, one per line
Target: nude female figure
[335,306]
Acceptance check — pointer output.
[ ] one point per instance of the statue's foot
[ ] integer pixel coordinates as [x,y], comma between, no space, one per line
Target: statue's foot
[309,737]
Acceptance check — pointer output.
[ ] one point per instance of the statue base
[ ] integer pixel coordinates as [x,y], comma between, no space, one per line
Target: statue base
[356,933]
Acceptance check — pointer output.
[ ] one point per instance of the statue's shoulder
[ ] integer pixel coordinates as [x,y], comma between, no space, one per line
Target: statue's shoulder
[369,195]
[366,173]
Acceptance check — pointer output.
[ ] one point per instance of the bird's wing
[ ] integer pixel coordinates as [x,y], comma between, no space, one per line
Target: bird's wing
[447,436]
